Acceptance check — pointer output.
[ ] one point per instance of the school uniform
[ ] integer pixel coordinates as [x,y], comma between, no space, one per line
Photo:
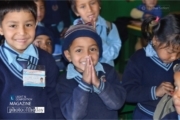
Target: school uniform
[156,11]
[143,74]
[80,100]
[24,102]
[111,41]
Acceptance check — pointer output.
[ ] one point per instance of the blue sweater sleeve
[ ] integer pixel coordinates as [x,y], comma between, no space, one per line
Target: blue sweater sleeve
[114,94]
[112,45]
[133,83]
[73,102]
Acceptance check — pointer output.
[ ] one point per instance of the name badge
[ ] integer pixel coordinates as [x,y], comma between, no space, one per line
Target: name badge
[35,78]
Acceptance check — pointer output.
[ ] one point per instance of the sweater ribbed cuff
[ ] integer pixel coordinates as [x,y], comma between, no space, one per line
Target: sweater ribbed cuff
[100,88]
[83,85]
[153,93]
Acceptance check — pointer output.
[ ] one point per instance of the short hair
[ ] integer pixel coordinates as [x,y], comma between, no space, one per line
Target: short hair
[13,5]
[176,68]
[73,4]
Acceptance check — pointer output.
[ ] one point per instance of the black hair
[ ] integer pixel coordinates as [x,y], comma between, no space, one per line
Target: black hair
[13,5]
[165,30]
[73,5]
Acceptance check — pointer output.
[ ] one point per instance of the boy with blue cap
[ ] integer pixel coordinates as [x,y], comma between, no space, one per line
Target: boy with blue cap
[88,89]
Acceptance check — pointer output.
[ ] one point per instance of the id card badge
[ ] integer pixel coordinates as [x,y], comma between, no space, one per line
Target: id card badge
[34,78]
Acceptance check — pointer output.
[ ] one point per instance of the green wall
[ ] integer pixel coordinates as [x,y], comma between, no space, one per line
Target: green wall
[111,9]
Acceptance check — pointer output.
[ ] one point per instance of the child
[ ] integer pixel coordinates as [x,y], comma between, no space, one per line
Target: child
[40,11]
[89,89]
[165,109]
[89,10]
[44,39]
[146,9]
[149,72]
[20,101]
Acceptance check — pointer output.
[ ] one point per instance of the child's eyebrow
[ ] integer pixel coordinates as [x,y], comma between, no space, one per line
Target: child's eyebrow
[12,21]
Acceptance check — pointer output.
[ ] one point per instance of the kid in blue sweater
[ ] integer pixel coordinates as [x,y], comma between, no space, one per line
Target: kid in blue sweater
[23,96]
[88,11]
[149,72]
[89,89]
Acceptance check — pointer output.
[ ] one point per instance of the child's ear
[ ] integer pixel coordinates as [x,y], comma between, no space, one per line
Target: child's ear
[155,41]
[1,32]
[76,14]
[67,55]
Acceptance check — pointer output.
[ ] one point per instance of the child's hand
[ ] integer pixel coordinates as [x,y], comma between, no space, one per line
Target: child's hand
[87,77]
[95,80]
[164,88]
[93,22]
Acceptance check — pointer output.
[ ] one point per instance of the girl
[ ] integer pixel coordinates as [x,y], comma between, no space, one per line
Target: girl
[149,74]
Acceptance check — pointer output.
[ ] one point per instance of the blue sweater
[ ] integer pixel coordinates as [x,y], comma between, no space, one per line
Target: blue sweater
[156,11]
[77,103]
[15,97]
[171,116]
[140,79]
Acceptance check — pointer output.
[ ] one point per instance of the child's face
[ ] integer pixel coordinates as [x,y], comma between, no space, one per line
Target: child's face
[80,48]
[44,42]
[150,3]
[40,10]
[167,54]
[176,94]
[18,28]
[88,10]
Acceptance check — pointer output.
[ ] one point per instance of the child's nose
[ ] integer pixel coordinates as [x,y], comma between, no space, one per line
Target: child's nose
[21,30]
[89,8]
[87,53]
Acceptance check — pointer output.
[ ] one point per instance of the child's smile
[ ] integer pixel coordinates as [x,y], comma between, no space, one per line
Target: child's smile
[81,50]
[19,29]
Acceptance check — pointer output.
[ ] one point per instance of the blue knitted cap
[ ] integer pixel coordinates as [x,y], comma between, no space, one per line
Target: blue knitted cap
[41,30]
[81,30]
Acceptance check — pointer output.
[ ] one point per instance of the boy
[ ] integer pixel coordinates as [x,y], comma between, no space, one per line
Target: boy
[44,39]
[88,11]
[89,89]
[40,11]
[18,100]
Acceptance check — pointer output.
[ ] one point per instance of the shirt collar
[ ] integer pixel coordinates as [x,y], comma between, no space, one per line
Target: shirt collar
[72,72]
[149,50]
[30,51]
[178,117]
[100,21]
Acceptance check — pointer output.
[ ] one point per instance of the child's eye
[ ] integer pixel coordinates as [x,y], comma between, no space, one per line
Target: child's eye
[48,43]
[78,50]
[13,26]
[29,25]
[83,6]
[93,49]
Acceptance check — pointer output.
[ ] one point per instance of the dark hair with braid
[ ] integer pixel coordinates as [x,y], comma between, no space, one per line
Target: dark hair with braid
[165,30]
